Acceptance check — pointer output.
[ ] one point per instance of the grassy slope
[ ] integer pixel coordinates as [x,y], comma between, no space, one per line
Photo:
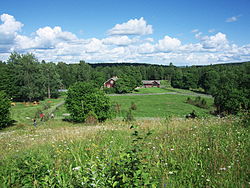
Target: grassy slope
[23,113]
[159,105]
[179,153]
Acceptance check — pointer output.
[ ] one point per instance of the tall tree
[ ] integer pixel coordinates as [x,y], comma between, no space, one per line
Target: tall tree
[51,79]
[25,77]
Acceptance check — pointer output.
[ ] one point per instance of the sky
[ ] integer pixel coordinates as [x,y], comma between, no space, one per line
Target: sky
[184,32]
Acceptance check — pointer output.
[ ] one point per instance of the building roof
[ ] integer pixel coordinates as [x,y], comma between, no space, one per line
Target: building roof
[151,81]
[113,78]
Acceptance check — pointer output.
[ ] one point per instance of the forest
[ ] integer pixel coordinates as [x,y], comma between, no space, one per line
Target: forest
[24,78]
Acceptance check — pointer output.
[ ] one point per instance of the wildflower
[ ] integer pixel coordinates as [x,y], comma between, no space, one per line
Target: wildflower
[170,172]
[207,180]
[223,168]
[76,168]
[172,149]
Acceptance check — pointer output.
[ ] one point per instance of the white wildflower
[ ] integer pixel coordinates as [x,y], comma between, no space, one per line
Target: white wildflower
[223,168]
[76,168]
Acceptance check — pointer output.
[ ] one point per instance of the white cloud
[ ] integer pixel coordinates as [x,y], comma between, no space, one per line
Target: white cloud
[195,31]
[118,40]
[233,18]
[168,44]
[8,32]
[94,46]
[9,26]
[55,44]
[132,27]
[146,48]
[218,41]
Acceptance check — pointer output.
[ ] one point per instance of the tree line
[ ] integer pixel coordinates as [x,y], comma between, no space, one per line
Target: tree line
[24,78]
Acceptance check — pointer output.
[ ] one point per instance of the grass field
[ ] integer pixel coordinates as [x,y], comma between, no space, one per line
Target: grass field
[175,153]
[155,105]
[148,152]
[151,90]
[160,105]
[23,113]
[164,90]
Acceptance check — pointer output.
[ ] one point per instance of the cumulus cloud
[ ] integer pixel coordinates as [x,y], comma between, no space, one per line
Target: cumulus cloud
[146,48]
[46,37]
[125,43]
[8,32]
[218,41]
[233,18]
[132,27]
[118,40]
[168,44]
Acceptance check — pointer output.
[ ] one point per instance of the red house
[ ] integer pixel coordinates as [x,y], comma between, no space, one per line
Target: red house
[151,83]
[110,82]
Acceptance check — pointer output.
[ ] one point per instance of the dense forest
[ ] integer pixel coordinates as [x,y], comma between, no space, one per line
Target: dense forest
[24,78]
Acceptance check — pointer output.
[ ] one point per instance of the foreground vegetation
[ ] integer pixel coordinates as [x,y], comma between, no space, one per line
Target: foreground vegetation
[173,153]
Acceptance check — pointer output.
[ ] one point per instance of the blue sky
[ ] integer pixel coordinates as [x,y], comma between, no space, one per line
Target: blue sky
[187,32]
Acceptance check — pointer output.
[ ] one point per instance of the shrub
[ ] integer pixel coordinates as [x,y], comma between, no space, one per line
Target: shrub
[117,107]
[129,116]
[83,98]
[133,106]
[91,118]
[4,110]
[199,102]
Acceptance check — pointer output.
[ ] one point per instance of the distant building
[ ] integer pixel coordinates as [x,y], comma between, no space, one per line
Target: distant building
[110,82]
[151,83]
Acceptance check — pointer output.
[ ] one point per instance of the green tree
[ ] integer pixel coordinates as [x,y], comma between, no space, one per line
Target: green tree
[51,79]
[83,99]
[25,77]
[125,84]
[4,110]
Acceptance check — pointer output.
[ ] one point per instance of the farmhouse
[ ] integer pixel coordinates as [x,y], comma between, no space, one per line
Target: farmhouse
[110,82]
[151,83]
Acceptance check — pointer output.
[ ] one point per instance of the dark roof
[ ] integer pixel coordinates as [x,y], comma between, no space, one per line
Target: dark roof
[151,81]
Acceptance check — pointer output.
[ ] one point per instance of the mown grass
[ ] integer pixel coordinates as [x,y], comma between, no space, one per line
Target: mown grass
[23,113]
[160,105]
[151,90]
[173,153]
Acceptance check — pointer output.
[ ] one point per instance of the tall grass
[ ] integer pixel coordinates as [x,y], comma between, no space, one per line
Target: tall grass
[173,153]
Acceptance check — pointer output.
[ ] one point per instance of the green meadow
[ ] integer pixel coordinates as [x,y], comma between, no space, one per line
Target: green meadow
[160,148]
[207,152]
[160,105]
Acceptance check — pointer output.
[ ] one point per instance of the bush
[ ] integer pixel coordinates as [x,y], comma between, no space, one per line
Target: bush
[199,102]
[83,98]
[129,116]
[91,118]
[4,110]
[133,106]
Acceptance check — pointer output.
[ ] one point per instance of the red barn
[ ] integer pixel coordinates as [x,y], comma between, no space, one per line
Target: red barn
[151,83]
[110,82]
